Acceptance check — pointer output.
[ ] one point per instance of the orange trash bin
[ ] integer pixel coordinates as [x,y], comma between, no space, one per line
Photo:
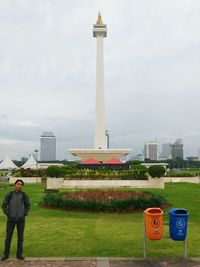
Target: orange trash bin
[153,219]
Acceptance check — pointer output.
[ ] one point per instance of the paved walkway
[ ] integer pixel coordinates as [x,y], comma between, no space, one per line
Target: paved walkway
[99,262]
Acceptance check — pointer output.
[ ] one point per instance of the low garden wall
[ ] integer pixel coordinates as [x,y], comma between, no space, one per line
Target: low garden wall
[58,183]
[26,180]
[193,180]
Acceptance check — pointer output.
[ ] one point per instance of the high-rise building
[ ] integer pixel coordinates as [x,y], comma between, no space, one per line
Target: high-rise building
[166,151]
[177,149]
[151,150]
[198,154]
[47,147]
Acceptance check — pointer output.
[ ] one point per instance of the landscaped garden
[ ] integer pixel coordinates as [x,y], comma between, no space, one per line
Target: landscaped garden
[138,172]
[104,200]
[133,172]
[74,171]
[56,232]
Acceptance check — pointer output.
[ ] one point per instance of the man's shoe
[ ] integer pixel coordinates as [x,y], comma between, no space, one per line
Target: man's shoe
[20,258]
[4,258]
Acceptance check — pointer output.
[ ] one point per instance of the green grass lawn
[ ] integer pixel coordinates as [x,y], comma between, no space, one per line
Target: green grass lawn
[63,233]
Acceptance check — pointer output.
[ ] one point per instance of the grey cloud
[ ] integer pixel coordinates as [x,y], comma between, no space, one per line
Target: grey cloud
[3,116]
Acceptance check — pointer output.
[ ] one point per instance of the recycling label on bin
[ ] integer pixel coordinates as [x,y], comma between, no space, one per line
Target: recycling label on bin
[155,223]
[180,224]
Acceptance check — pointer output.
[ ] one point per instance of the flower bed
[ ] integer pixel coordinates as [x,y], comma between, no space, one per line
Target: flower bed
[103,200]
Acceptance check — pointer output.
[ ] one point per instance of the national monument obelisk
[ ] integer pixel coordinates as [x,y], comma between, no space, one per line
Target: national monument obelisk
[100,32]
[100,151]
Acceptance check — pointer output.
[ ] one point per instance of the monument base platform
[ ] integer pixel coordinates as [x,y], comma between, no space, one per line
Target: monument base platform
[100,154]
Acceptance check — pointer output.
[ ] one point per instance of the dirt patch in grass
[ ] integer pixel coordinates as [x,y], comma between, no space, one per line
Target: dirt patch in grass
[104,195]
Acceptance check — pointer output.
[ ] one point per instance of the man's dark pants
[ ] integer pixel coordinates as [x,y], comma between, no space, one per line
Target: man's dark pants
[20,234]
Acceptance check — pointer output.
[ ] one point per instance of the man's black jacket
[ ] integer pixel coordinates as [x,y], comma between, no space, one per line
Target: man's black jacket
[16,205]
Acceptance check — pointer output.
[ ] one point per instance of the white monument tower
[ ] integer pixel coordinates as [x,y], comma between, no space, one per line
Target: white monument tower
[100,151]
[100,32]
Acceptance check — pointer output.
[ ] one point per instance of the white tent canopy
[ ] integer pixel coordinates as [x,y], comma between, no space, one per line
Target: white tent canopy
[30,163]
[7,163]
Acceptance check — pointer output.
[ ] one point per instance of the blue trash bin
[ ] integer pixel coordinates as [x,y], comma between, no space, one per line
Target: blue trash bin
[178,219]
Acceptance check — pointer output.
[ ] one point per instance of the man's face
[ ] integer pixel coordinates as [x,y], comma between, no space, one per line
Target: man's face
[18,186]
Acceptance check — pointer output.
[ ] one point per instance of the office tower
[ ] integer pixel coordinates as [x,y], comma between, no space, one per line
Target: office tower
[177,149]
[47,147]
[151,150]
[199,154]
[166,151]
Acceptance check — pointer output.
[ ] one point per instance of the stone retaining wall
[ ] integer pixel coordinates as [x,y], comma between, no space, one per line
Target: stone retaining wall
[58,183]
[193,180]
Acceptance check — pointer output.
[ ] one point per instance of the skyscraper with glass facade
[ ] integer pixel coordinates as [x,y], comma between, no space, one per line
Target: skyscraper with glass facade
[47,147]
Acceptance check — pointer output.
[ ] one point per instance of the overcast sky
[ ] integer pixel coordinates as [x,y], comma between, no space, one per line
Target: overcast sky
[47,73]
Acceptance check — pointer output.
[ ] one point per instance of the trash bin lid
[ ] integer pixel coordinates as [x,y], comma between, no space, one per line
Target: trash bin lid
[178,211]
[153,211]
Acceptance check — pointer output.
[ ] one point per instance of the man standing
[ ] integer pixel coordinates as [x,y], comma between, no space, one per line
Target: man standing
[16,206]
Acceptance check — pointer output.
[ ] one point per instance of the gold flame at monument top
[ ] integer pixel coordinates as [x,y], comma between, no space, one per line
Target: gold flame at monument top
[99,19]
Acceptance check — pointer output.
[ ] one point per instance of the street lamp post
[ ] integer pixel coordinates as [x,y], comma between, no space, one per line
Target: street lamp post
[107,137]
[36,158]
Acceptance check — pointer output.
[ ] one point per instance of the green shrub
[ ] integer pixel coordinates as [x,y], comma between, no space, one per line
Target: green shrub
[40,172]
[180,174]
[29,172]
[156,171]
[54,171]
[140,172]
[26,172]
[136,173]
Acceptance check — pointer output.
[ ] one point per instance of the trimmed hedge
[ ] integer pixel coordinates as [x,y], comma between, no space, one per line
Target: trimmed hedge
[54,171]
[136,202]
[138,172]
[29,172]
[156,171]
[180,174]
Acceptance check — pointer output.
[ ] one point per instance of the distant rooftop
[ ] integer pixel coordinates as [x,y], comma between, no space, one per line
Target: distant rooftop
[47,134]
